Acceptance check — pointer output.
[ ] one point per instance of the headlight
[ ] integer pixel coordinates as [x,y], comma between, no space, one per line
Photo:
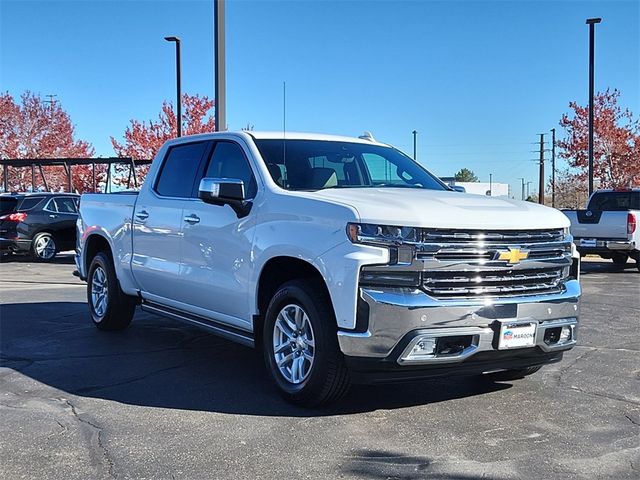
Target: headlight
[381,234]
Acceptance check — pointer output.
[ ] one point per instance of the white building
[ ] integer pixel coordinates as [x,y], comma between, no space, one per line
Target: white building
[480,188]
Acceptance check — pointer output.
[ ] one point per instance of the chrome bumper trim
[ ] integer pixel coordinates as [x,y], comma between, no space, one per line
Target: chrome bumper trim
[483,341]
[396,312]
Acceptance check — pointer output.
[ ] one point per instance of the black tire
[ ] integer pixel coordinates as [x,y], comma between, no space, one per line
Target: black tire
[118,309]
[619,258]
[327,378]
[43,247]
[516,374]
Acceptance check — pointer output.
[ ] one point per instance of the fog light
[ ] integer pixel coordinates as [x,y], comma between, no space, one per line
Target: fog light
[565,334]
[425,346]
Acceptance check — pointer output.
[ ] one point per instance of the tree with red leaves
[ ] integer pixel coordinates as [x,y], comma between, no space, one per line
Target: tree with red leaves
[35,130]
[616,152]
[142,140]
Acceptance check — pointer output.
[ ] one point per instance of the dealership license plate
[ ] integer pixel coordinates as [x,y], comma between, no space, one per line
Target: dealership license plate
[516,335]
[588,242]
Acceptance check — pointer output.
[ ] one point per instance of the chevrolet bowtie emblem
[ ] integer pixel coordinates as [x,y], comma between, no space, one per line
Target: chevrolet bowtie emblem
[514,255]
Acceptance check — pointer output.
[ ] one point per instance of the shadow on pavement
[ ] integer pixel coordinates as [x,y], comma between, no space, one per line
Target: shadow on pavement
[607,266]
[66,258]
[159,363]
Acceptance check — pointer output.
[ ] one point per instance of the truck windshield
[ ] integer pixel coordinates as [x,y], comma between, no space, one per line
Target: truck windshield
[615,201]
[319,164]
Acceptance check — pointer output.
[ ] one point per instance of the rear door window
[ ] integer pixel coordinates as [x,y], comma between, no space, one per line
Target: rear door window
[66,205]
[51,206]
[179,170]
[29,203]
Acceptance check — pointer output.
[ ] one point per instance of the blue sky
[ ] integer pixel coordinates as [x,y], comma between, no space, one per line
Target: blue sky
[478,80]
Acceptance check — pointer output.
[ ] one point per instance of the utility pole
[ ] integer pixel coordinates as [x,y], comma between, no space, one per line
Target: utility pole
[541,179]
[491,184]
[591,22]
[553,167]
[51,101]
[415,150]
[522,178]
[219,66]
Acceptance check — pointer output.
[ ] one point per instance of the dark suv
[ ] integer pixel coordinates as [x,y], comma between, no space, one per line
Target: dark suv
[41,224]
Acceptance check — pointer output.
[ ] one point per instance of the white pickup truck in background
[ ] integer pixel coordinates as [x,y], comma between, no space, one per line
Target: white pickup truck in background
[609,225]
[341,258]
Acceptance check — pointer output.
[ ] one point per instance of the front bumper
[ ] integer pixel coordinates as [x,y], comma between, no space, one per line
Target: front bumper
[396,317]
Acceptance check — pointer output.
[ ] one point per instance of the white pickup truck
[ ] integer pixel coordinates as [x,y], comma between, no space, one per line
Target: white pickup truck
[609,225]
[341,258]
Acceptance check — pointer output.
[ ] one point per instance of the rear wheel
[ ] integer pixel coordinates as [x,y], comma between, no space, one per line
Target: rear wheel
[301,347]
[619,258]
[43,247]
[516,374]
[110,308]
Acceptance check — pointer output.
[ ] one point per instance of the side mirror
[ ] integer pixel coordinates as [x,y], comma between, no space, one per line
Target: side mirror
[225,191]
[459,188]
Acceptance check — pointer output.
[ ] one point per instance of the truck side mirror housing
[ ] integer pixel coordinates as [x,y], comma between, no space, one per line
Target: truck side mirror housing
[225,191]
[459,188]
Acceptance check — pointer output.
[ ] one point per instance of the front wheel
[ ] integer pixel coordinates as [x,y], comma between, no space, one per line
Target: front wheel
[301,347]
[110,308]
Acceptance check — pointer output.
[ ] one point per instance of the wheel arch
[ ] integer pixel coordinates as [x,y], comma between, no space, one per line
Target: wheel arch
[94,244]
[276,272]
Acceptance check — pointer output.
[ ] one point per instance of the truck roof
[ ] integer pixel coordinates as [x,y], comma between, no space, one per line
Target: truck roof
[309,136]
[280,136]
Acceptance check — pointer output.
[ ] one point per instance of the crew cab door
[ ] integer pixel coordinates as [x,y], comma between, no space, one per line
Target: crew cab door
[157,222]
[216,244]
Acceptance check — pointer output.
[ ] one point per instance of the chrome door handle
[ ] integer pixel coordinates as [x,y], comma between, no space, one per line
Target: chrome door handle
[53,216]
[142,215]
[192,219]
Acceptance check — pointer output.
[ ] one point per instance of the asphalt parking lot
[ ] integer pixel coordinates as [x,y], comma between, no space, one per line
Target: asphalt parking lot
[163,400]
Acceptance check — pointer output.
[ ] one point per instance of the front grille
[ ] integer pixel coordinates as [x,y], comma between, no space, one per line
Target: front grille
[472,264]
[466,264]
[493,283]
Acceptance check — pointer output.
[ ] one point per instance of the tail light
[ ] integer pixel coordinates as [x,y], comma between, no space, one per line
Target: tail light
[631,223]
[21,216]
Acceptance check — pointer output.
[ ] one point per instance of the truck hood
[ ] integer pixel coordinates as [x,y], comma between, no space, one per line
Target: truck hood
[443,209]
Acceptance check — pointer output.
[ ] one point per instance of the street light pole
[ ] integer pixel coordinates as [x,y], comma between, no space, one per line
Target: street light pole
[178,84]
[415,132]
[591,22]
[491,184]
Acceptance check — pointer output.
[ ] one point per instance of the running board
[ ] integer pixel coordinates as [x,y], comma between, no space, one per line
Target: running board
[222,330]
